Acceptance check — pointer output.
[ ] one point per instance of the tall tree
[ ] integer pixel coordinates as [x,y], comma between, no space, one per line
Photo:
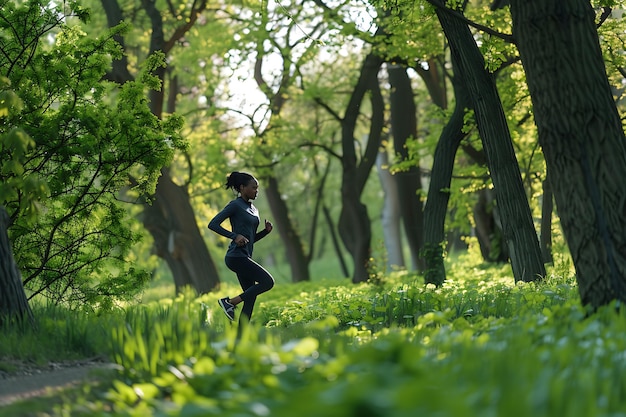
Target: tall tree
[292,44]
[391,215]
[409,182]
[68,152]
[436,206]
[518,228]
[354,223]
[169,216]
[428,59]
[279,45]
[582,138]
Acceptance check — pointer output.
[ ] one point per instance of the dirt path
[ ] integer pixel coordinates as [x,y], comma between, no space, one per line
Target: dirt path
[28,381]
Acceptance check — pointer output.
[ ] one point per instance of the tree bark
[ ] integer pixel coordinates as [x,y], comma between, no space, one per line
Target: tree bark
[488,228]
[517,222]
[582,138]
[177,239]
[289,235]
[335,241]
[436,206]
[487,224]
[170,218]
[404,128]
[390,215]
[545,234]
[354,223]
[13,302]
[119,73]
[435,81]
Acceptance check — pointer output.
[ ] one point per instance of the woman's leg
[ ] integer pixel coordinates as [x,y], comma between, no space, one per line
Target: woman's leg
[254,280]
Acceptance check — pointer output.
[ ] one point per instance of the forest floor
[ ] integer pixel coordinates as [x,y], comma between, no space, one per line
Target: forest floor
[25,380]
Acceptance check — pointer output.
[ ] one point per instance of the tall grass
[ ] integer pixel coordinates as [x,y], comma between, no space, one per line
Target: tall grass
[58,334]
[481,345]
[473,347]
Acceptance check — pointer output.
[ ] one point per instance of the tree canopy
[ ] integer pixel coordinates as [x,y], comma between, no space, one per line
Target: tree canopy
[69,150]
[91,122]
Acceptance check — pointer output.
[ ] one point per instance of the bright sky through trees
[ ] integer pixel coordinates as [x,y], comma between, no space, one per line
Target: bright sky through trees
[242,95]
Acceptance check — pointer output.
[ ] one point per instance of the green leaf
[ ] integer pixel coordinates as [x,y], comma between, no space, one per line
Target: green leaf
[12,167]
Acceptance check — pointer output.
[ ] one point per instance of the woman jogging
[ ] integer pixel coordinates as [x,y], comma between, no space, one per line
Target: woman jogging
[244,221]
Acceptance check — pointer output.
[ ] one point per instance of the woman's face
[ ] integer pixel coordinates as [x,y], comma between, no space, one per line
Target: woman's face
[250,190]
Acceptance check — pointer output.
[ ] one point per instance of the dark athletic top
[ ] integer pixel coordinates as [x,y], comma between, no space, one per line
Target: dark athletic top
[244,220]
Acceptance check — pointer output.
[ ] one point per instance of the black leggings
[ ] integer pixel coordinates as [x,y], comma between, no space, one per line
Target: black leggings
[254,280]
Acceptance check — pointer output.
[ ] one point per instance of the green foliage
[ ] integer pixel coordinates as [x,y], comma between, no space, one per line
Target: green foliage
[414,33]
[15,145]
[70,142]
[67,334]
[478,345]
[433,255]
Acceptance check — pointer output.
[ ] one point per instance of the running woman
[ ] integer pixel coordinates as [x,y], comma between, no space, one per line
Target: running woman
[244,221]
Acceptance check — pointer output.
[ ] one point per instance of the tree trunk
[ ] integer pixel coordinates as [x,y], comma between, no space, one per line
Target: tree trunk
[119,72]
[170,218]
[354,223]
[436,206]
[545,235]
[292,242]
[487,224]
[390,216]
[404,128]
[582,138]
[13,302]
[335,241]
[435,81]
[489,228]
[356,233]
[177,239]
[517,222]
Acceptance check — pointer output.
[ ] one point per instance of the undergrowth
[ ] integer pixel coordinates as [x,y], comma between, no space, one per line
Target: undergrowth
[480,345]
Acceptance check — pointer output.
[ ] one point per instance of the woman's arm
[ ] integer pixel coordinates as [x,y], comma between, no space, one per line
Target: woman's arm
[216,222]
[268,228]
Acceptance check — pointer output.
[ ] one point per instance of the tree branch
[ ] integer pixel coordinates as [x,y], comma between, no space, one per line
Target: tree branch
[504,36]
[606,12]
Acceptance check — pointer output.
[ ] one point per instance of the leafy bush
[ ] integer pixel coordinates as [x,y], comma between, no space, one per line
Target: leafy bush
[68,147]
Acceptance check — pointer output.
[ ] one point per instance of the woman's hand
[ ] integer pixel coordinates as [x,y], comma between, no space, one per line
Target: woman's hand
[241,240]
[268,226]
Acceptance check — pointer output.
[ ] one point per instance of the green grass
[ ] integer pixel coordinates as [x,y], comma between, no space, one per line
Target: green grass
[479,346]
[58,334]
